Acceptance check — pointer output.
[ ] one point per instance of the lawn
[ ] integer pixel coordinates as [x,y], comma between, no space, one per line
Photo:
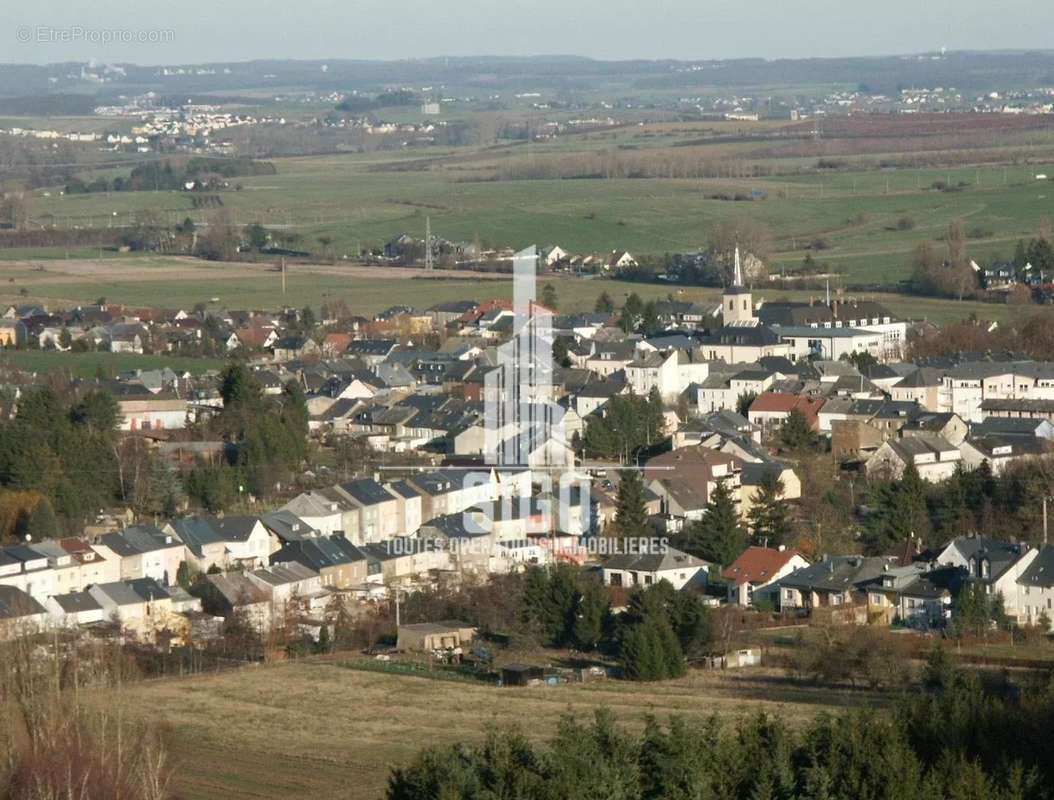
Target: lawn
[316,729]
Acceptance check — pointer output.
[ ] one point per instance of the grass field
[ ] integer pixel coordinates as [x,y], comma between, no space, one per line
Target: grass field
[319,730]
[362,200]
[183,282]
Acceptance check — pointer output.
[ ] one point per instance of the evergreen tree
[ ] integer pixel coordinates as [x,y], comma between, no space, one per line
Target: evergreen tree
[183,576]
[549,299]
[769,517]
[796,433]
[604,304]
[718,536]
[238,386]
[590,615]
[38,523]
[630,512]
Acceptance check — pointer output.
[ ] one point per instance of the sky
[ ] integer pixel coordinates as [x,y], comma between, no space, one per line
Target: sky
[193,31]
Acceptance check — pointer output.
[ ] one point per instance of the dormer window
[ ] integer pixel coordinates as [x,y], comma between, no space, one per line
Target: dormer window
[973,566]
[986,568]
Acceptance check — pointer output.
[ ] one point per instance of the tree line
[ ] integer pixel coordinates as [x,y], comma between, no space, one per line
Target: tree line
[955,741]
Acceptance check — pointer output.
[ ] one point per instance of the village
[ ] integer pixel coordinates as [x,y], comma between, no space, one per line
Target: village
[669,420]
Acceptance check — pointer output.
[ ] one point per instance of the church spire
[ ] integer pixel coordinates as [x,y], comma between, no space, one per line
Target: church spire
[737,272]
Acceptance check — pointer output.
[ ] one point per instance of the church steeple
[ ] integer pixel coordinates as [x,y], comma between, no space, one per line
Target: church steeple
[737,305]
[737,272]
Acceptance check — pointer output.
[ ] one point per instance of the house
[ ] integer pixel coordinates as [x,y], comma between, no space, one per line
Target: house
[376,511]
[146,551]
[620,259]
[153,414]
[19,613]
[753,575]
[770,409]
[1001,451]
[917,595]
[685,478]
[339,564]
[142,606]
[222,542]
[646,569]
[289,585]
[73,609]
[934,457]
[291,348]
[13,333]
[834,582]
[322,510]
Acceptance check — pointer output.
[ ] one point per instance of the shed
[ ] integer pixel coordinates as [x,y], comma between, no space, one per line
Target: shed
[435,635]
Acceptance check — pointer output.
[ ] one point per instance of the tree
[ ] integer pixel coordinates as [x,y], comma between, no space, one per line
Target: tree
[257,236]
[631,313]
[749,235]
[769,518]
[183,575]
[39,523]
[238,386]
[718,536]
[630,512]
[220,242]
[323,645]
[604,303]
[560,351]
[590,615]
[898,511]
[796,433]
[549,299]
[308,321]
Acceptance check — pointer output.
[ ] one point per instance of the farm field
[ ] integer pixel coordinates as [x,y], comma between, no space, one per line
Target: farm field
[184,282]
[363,200]
[317,729]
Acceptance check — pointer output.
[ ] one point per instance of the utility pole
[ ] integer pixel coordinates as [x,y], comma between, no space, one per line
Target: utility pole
[428,243]
[1045,499]
[283,274]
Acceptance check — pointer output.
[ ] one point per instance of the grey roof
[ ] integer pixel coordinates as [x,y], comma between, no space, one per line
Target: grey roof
[286,525]
[121,593]
[1041,571]
[236,589]
[366,491]
[75,602]
[138,539]
[318,553]
[669,559]
[15,603]
[837,573]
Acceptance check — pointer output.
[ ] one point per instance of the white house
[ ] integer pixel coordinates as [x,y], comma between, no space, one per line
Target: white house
[645,569]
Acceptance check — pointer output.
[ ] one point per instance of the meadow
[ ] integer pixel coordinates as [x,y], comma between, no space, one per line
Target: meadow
[360,200]
[180,282]
[315,728]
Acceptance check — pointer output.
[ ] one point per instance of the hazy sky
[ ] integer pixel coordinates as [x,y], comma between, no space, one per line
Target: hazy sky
[237,30]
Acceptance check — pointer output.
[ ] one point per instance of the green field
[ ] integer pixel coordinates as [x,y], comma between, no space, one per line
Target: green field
[362,200]
[184,282]
[319,730]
